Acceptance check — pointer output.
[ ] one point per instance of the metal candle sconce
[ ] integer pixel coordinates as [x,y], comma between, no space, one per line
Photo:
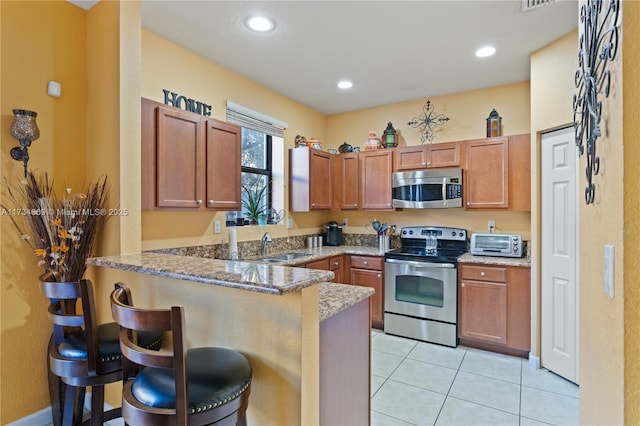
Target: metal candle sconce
[25,129]
[494,124]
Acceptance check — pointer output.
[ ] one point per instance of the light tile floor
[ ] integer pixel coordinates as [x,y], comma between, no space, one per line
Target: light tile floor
[417,383]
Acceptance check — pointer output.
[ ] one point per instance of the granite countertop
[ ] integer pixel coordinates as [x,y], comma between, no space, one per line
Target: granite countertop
[335,298]
[252,276]
[492,260]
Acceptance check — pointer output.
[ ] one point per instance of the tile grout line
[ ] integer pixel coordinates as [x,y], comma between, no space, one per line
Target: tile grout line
[450,386]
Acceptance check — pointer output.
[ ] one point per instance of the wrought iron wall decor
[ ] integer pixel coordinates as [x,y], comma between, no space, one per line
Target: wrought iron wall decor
[427,121]
[598,45]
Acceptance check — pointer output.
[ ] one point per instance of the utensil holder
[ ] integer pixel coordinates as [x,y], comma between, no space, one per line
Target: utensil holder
[384,242]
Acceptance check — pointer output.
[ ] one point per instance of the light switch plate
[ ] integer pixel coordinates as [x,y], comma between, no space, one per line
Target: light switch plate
[289,223]
[216,227]
[609,257]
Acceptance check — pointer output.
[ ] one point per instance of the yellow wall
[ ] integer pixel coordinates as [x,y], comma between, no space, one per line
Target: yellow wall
[467,112]
[166,65]
[41,41]
[552,89]
[602,319]
[631,224]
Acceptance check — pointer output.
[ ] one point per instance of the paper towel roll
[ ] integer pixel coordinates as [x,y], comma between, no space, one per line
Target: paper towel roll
[233,243]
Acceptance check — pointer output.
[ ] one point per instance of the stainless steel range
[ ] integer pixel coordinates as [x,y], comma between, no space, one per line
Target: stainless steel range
[421,297]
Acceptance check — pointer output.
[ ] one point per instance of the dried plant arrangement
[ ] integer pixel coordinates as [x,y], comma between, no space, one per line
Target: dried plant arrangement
[62,231]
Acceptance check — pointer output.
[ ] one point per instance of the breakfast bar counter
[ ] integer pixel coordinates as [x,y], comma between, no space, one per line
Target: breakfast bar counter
[301,334]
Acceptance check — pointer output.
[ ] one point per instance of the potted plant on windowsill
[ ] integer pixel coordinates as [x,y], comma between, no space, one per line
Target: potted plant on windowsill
[254,202]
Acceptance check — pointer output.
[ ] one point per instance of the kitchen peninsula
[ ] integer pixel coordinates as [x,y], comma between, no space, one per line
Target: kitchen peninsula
[300,333]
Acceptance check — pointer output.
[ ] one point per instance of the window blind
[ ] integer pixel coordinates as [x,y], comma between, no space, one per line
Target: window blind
[250,119]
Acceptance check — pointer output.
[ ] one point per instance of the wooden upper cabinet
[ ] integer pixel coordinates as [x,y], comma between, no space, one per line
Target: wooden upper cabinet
[498,173]
[443,155]
[427,156]
[188,161]
[349,180]
[486,184]
[310,184]
[180,154]
[375,179]
[224,142]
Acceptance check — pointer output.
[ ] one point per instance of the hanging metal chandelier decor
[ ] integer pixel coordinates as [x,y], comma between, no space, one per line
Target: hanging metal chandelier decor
[598,43]
[427,121]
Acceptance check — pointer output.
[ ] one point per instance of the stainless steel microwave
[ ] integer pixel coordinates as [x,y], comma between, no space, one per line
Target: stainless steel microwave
[427,189]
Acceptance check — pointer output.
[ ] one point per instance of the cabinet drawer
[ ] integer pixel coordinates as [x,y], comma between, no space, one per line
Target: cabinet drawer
[484,273]
[367,262]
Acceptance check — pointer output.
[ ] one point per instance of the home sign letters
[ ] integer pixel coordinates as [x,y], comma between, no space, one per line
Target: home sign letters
[182,102]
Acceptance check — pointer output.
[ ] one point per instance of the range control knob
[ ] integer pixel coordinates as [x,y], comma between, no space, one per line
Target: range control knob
[411,232]
[453,234]
[460,234]
[404,232]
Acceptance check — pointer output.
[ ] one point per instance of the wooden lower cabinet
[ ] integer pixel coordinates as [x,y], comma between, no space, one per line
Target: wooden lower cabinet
[494,306]
[368,271]
[334,264]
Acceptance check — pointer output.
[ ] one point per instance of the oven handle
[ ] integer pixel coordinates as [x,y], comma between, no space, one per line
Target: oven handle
[421,264]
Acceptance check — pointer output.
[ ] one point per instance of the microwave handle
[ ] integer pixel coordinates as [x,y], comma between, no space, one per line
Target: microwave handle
[444,190]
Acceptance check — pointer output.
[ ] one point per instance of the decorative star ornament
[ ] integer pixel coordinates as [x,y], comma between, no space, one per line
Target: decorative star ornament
[427,121]
[598,47]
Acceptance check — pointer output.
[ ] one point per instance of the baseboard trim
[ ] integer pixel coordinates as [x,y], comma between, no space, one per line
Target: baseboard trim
[44,416]
[534,361]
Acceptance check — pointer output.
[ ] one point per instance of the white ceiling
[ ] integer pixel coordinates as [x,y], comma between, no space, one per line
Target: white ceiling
[393,51]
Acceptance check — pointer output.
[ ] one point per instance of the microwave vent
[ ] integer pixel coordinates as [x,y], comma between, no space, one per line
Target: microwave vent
[528,5]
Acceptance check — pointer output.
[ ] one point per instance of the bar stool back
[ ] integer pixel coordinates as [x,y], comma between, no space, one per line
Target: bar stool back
[82,353]
[176,386]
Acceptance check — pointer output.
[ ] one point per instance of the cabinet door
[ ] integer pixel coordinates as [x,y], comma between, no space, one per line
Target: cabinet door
[486,184]
[349,176]
[180,156]
[336,266]
[320,180]
[410,158]
[483,311]
[373,279]
[223,165]
[443,155]
[375,180]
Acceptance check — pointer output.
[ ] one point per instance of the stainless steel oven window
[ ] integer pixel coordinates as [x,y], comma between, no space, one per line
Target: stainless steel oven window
[420,290]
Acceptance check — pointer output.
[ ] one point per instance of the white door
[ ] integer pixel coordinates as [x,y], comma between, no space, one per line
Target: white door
[559,267]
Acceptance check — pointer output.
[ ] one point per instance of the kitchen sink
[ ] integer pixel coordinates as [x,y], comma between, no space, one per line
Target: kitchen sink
[282,257]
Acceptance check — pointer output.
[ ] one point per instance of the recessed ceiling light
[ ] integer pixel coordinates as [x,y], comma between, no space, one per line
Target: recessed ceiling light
[483,52]
[345,84]
[260,24]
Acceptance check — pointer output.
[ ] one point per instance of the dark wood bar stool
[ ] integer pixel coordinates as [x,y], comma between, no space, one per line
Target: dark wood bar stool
[200,386]
[83,353]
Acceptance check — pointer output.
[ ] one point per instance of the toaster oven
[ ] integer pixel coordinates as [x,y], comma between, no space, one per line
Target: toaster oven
[500,245]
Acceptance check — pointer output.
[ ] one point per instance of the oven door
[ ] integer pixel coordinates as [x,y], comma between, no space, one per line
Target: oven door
[421,289]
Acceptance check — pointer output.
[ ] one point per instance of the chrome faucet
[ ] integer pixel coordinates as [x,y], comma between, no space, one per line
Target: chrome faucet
[266,239]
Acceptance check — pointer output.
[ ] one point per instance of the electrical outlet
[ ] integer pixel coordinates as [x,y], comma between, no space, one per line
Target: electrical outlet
[216,227]
[345,221]
[289,223]
[491,225]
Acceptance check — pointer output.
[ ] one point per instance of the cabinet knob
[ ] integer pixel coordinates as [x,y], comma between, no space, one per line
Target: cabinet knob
[356,204]
[482,274]
[199,202]
[313,204]
[424,164]
[210,202]
[365,262]
[379,276]
[461,284]
[428,163]
[336,263]
[468,203]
